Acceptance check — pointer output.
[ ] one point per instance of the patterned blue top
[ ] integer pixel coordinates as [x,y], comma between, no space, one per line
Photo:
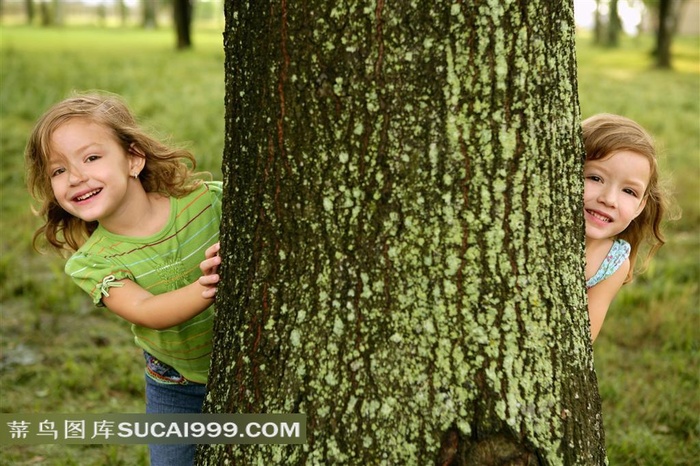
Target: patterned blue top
[619,251]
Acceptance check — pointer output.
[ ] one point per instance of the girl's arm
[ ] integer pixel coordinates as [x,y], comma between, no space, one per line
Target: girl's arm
[140,307]
[601,295]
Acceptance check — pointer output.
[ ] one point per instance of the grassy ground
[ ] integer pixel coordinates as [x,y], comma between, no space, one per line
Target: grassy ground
[59,354]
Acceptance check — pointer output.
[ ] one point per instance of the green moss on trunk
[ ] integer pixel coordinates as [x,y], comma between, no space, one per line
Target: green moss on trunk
[402,237]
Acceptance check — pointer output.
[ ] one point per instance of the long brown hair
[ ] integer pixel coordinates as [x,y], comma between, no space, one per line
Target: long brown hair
[168,170]
[604,135]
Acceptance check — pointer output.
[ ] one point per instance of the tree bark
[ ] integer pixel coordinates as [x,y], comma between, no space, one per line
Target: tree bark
[402,237]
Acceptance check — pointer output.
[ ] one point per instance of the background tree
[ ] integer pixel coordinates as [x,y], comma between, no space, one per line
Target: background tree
[668,11]
[51,12]
[403,236]
[29,8]
[667,15]
[598,26]
[663,35]
[182,15]
[150,16]
[607,24]
[46,14]
[614,25]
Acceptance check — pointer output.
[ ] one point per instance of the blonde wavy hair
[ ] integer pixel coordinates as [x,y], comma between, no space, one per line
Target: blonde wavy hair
[168,170]
[604,135]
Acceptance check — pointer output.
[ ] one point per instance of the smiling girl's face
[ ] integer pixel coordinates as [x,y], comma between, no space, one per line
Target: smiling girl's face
[90,171]
[615,190]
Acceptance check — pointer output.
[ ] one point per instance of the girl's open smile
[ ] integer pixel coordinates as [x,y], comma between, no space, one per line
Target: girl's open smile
[88,195]
[595,215]
[90,173]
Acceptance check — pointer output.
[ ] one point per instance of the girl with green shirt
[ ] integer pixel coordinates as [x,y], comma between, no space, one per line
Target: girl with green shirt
[137,224]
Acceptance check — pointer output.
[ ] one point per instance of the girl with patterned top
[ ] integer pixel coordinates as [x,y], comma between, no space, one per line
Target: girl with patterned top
[623,206]
[136,223]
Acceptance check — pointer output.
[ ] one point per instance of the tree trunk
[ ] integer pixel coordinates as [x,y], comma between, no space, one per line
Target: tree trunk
[150,14]
[47,14]
[598,26]
[182,11]
[402,237]
[664,34]
[614,25]
[29,8]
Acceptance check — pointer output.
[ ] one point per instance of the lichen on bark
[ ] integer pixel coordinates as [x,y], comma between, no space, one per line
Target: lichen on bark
[402,237]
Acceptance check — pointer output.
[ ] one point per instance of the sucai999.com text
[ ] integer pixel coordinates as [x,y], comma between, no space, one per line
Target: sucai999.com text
[146,428]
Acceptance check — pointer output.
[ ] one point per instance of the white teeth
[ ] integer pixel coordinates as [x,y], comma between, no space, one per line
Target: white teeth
[600,217]
[87,195]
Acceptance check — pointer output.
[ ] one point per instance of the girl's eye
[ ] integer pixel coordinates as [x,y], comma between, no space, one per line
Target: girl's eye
[57,172]
[594,178]
[629,191]
[92,158]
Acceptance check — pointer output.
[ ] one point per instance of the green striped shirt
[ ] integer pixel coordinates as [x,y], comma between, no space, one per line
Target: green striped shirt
[160,263]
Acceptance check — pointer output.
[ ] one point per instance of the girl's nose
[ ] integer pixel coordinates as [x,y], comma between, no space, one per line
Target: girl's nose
[608,197]
[75,176]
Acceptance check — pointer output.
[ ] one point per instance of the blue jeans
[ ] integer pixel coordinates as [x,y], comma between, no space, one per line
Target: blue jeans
[169,398]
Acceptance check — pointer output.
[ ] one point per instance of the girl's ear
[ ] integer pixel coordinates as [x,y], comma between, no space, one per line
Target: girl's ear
[137,160]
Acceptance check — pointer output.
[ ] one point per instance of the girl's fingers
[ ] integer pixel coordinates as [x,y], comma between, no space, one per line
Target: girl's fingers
[209,266]
[209,293]
[209,280]
[212,250]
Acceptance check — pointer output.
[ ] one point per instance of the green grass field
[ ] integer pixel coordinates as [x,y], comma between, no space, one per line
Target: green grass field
[59,354]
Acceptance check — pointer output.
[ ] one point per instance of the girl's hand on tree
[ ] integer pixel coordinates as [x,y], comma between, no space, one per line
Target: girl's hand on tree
[209,266]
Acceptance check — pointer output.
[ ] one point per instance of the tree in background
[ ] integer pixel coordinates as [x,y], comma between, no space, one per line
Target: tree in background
[667,14]
[51,12]
[664,34]
[31,11]
[182,15]
[597,24]
[614,25]
[669,11]
[150,10]
[402,237]
[607,26]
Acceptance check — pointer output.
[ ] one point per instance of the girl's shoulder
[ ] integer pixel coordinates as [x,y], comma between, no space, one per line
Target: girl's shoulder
[215,188]
[214,185]
[620,248]
[202,205]
[616,256]
[216,191]
[199,189]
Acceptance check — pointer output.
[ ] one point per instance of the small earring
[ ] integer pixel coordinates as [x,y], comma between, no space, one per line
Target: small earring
[136,176]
